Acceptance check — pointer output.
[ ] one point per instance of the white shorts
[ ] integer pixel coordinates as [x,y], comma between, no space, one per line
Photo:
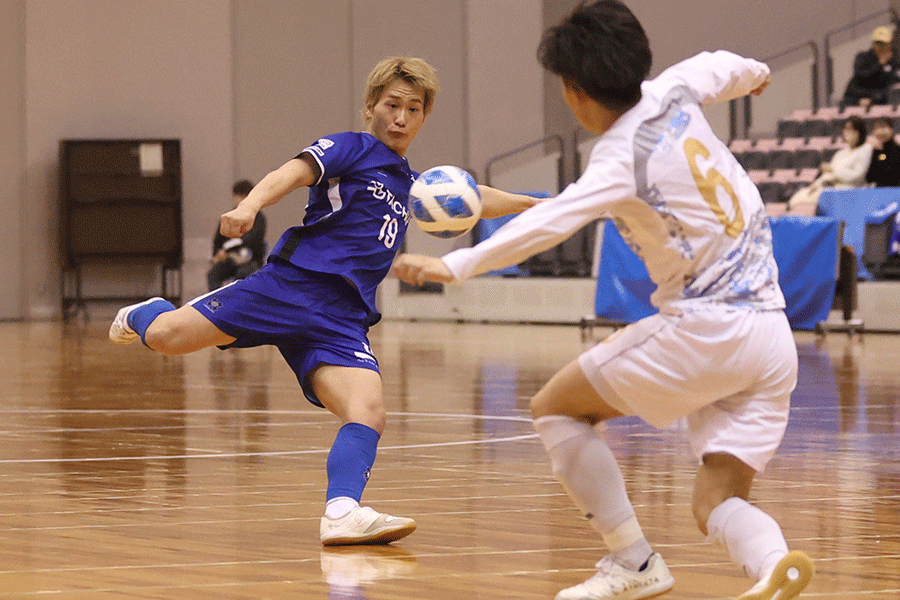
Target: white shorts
[730,372]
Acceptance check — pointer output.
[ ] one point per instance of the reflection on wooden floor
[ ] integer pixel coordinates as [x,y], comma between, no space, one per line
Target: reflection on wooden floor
[125,474]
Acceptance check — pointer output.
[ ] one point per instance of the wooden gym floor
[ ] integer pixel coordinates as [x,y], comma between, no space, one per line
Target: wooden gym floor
[126,474]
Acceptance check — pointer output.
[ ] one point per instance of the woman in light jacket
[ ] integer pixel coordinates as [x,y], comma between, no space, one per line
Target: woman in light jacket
[846,169]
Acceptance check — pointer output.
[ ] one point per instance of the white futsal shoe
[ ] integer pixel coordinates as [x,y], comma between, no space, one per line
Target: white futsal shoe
[364,525]
[120,332]
[615,582]
[789,577]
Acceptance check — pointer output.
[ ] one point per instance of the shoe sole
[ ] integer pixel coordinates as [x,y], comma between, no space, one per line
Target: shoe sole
[381,537]
[781,585]
[651,591]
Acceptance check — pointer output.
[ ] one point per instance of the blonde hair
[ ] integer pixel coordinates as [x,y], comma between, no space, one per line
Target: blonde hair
[413,71]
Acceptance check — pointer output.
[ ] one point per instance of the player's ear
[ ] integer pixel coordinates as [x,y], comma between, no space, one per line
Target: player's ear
[368,111]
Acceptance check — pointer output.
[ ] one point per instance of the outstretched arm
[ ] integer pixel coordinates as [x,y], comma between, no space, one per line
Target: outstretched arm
[416,269]
[497,203]
[276,185]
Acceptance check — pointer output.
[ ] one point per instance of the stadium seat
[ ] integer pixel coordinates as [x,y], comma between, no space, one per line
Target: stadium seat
[852,111]
[807,175]
[783,156]
[791,125]
[881,110]
[808,158]
[784,175]
[759,175]
[771,191]
[740,145]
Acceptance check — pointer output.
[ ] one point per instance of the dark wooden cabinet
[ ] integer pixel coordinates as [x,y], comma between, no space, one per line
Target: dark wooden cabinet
[120,200]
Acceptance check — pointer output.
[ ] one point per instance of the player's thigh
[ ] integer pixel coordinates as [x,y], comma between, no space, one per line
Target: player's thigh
[353,394]
[749,424]
[570,393]
[184,330]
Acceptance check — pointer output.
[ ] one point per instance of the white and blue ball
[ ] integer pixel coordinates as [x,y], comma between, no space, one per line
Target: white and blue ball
[445,201]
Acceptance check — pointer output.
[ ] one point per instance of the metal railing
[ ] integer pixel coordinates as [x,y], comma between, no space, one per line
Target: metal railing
[550,138]
[747,101]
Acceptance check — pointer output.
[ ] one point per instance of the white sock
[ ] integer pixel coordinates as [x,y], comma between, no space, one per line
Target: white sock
[340,506]
[587,469]
[752,538]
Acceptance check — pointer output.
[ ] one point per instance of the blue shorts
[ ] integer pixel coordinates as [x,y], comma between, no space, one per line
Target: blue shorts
[312,318]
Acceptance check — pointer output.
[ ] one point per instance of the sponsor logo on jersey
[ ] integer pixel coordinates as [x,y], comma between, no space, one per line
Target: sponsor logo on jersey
[321,146]
[679,123]
[379,192]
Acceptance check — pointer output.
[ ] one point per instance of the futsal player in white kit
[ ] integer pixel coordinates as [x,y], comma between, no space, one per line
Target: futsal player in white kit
[720,351]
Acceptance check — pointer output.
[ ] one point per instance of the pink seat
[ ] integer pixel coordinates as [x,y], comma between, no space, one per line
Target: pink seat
[819,143]
[784,175]
[801,114]
[792,143]
[852,111]
[759,175]
[740,145]
[765,145]
[807,175]
[827,112]
[880,110]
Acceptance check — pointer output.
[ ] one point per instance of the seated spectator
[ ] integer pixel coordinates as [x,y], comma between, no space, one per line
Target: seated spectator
[846,170]
[874,72]
[236,258]
[884,171]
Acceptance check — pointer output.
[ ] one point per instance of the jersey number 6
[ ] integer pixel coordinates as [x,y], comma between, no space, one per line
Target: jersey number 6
[707,185]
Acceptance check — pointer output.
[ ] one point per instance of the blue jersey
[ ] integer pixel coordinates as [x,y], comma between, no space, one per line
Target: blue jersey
[357,213]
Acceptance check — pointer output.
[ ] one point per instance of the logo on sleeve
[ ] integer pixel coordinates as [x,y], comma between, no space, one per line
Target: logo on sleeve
[321,146]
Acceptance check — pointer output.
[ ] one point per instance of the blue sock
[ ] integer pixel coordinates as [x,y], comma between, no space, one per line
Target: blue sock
[140,318]
[350,460]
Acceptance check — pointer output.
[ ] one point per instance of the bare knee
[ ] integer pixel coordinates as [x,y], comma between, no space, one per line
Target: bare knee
[352,394]
[720,477]
[163,335]
[369,411]
[376,417]
[183,331]
[540,405]
[569,393]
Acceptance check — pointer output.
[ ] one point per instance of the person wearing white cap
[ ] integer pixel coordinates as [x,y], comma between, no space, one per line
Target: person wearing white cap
[874,72]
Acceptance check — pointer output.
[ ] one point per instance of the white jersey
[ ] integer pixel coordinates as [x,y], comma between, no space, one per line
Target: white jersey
[674,191]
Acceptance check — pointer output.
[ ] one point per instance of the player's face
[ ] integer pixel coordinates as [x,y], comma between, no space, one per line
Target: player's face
[397,116]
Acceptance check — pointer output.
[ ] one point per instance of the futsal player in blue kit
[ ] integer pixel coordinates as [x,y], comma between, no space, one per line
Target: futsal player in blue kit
[315,298]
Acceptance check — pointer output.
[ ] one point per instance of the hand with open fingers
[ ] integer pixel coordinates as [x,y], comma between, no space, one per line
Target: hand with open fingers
[416,269]
[237,222]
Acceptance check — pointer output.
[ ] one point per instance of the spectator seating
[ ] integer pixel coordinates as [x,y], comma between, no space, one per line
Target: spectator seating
[777,185]
[805,139]
[788,153]
[828,121]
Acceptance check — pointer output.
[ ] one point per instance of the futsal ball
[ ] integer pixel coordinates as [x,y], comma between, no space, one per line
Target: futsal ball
[445,201]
